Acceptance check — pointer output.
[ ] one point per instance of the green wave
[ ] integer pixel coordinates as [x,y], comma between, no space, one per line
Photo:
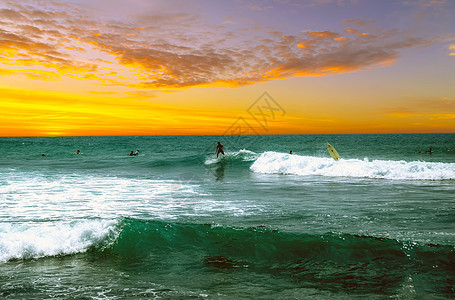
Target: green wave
[334,260]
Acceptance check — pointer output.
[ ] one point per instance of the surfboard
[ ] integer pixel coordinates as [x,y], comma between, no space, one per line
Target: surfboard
[333,153]
[428,151]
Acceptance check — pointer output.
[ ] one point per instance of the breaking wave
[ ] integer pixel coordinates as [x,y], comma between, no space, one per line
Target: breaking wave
[281,163]
[237,156]
[41,239]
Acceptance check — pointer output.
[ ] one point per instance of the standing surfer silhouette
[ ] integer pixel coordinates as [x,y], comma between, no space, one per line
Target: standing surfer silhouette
[219,149]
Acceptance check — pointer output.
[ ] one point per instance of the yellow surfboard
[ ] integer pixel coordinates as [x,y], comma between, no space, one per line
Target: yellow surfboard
[333,153]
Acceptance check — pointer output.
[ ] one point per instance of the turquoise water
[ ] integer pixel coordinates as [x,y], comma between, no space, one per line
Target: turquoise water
[176,222]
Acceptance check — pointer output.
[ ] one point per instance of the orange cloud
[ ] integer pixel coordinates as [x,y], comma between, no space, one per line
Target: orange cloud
[442,116]
[323,34]
[452,50]
[431,113]
[404,114]
[171,51]
[341,39]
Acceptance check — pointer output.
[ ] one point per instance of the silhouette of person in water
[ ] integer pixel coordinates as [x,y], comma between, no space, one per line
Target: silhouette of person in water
[290,152]
[219,149]
[77,152]
[132,153]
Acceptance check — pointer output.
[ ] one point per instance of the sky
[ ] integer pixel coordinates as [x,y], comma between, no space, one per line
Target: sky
[176,67]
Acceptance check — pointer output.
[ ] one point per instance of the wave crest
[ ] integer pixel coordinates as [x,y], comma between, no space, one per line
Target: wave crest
[281,163]
[241,155]
[26,241]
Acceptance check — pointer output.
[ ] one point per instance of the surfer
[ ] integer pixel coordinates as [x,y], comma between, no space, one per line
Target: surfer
[132,153]
[77,152]
[136,153]
[430,151]
[290,152]
[219,149]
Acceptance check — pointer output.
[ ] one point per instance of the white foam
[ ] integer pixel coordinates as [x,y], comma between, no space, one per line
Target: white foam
[242,155]
[34,196]
[34,240]
[281,163]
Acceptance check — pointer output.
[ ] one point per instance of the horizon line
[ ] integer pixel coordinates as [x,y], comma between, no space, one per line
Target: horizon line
[218,135]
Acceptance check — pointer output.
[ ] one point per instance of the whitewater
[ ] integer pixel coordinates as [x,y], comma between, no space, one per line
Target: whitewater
[282,163]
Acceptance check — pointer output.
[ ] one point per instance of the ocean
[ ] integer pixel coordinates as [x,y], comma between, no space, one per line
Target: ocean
[175,222]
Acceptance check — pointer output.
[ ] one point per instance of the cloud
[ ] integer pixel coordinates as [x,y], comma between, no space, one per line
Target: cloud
[431,108]
[315,3]
[177,50]
[404,114]
[359,23]
[452,50]
[426,3]
[442,116]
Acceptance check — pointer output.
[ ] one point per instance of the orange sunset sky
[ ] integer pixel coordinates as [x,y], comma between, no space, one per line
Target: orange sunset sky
[145,67]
